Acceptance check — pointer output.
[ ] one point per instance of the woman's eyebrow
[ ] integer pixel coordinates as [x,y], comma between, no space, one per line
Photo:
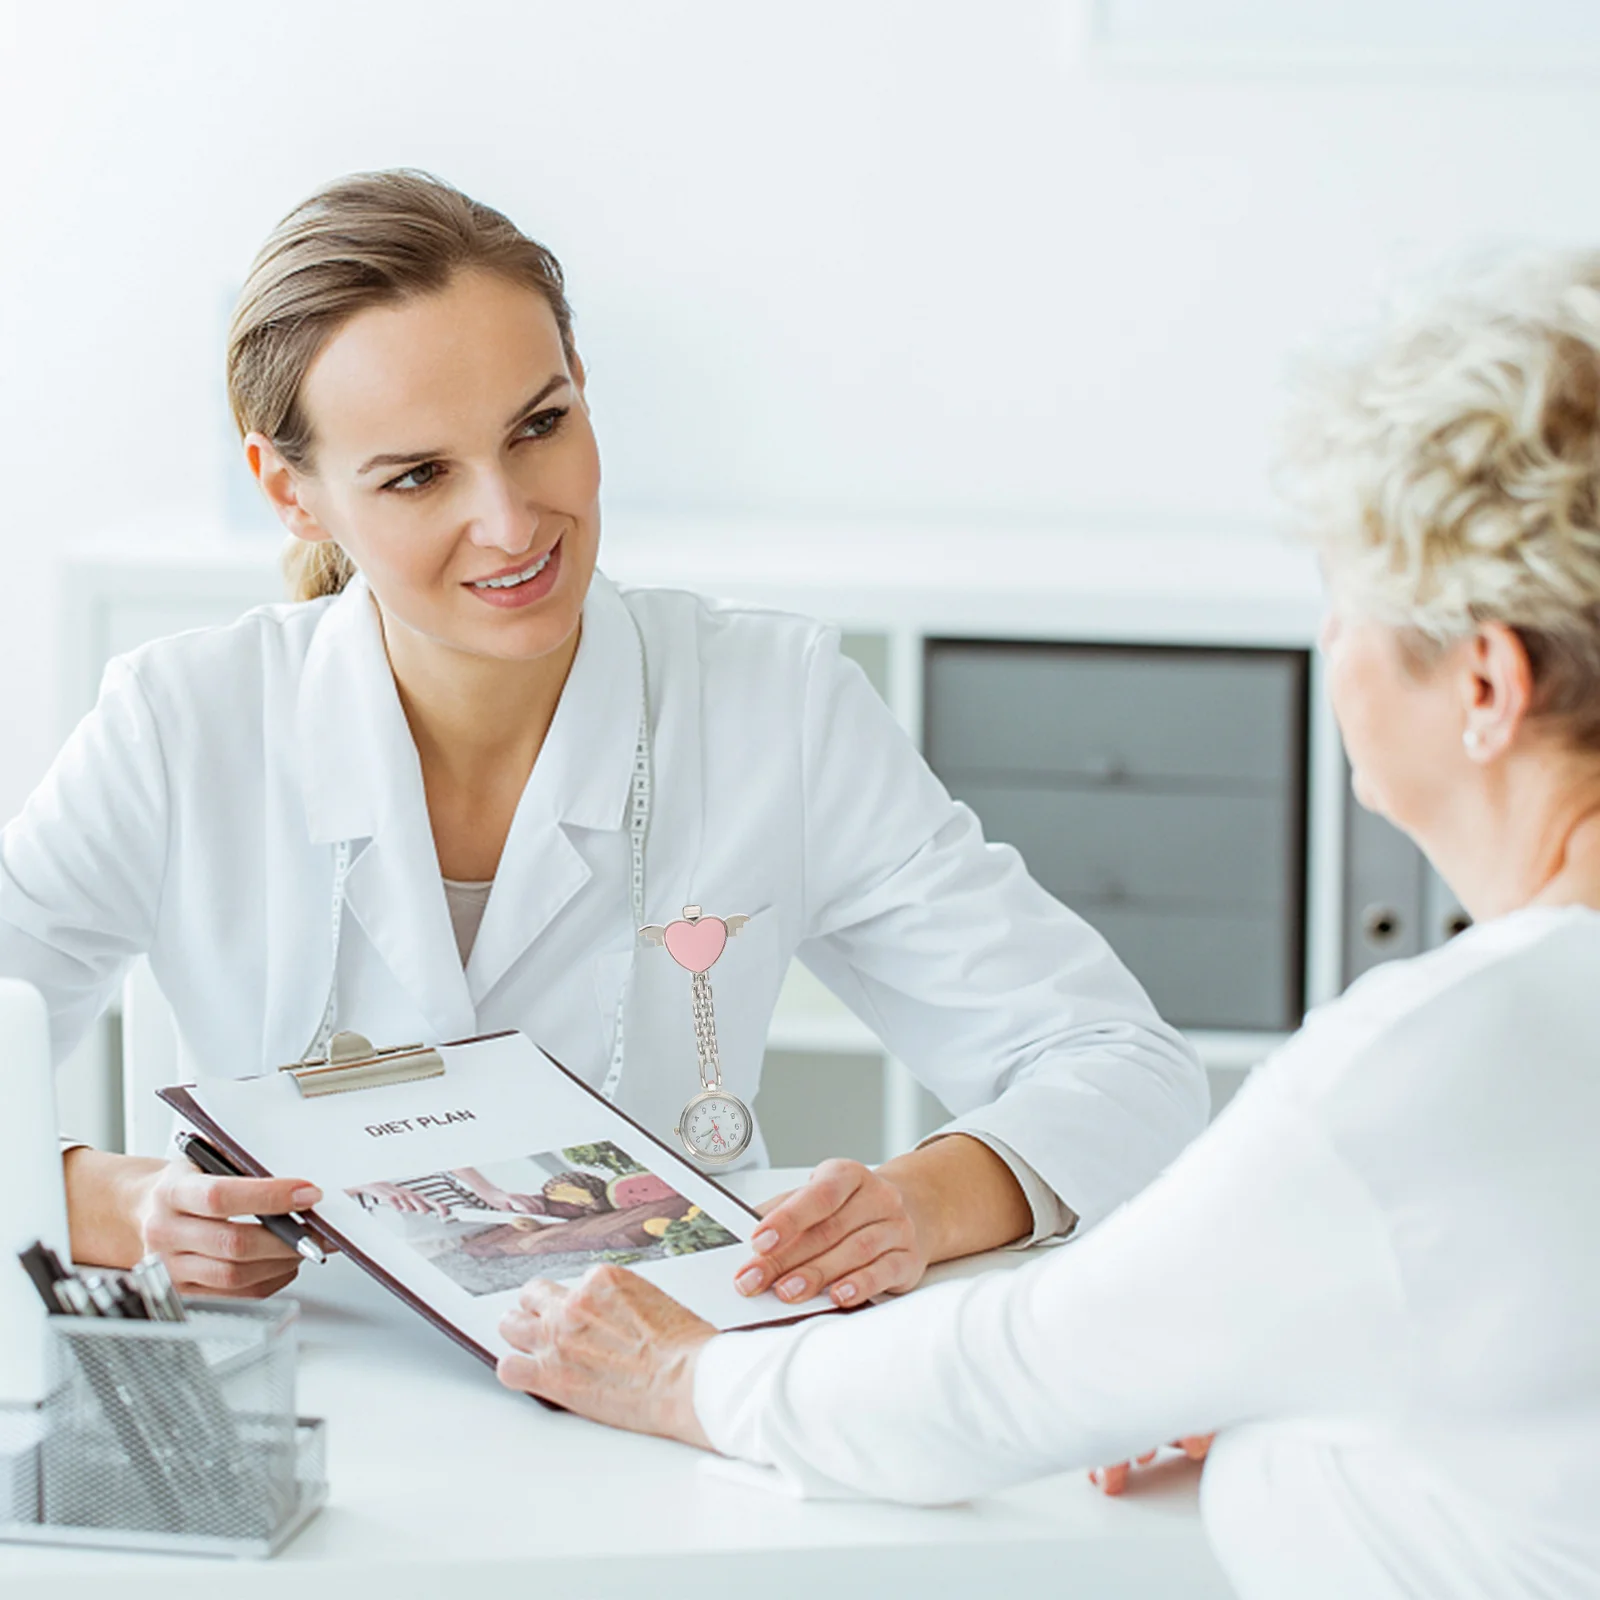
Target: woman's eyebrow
[401,458]
[539,399]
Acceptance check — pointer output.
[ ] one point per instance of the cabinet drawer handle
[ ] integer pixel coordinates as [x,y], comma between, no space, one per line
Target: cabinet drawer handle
[1380,925]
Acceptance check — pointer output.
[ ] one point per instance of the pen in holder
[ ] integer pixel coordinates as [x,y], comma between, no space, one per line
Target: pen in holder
[175,1435]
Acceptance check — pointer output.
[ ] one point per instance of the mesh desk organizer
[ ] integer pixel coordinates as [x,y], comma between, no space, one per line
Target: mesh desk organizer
[182,1436]
[170,1436]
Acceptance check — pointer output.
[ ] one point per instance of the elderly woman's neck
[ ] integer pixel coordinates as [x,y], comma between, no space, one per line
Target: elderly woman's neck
[1535,839]
[1574,879]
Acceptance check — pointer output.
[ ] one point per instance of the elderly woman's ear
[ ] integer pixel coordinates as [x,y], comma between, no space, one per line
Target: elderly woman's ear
[1496,684]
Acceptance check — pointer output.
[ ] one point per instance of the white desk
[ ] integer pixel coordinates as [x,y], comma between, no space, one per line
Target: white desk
[445,1485]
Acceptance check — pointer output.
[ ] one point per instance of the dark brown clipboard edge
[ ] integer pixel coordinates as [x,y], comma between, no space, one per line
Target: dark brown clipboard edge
[189,1108]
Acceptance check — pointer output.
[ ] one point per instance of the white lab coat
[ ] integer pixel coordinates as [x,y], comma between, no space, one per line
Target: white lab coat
[195,814]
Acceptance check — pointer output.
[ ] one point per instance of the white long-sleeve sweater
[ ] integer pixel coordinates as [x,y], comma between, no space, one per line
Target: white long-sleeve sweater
[1377,1276]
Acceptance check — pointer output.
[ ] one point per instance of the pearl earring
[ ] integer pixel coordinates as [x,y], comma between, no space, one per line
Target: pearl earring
[1472,738]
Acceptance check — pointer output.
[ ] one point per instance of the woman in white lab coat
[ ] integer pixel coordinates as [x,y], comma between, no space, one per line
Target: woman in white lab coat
[1375,1277]
[438,795]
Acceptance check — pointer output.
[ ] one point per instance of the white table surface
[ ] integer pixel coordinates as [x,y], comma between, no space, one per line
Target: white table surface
[444,1484]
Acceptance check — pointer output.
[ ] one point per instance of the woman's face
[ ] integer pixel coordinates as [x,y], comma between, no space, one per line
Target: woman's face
[1401,725]
[455,463]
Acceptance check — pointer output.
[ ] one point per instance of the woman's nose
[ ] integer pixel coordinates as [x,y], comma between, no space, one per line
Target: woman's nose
[503,519]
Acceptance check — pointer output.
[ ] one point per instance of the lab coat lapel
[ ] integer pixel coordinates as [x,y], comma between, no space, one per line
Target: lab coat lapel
[580,781]
[362,781]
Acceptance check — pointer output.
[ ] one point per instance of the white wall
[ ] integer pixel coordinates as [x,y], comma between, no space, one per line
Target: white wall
[908,259]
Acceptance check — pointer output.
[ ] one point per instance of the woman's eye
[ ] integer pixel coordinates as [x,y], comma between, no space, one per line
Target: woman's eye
[542,423]
[416,478]
[539,426]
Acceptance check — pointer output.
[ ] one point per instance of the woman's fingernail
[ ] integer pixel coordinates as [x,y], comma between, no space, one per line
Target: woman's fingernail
[764,1240]
[750,1280]
[307,1196]
[1094,1477]
[845,1293]
[790,1287]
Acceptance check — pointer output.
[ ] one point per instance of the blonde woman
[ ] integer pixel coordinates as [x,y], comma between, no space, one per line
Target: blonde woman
[439,793]
[1376,1276]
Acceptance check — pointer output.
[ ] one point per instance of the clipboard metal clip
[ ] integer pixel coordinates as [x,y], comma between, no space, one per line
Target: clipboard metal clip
[353,1063]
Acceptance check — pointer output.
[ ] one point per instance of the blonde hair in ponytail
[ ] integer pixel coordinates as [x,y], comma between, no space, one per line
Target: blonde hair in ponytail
[314,570]
[369,240]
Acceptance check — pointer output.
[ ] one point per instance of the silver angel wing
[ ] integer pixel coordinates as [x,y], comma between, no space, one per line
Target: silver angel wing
[653,933]
[734,924]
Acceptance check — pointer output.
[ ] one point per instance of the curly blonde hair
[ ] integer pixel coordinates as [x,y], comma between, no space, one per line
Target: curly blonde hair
[370,239]
[1451,476]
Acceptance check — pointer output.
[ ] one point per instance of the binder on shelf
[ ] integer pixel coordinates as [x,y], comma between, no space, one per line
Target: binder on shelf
[1383,892]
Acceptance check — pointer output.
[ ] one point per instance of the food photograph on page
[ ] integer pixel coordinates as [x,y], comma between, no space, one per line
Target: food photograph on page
[491,1227]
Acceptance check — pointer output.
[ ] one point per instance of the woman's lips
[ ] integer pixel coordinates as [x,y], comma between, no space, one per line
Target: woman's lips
[522,594]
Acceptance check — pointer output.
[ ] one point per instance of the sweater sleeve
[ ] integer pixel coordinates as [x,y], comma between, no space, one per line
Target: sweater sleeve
[1254,1278]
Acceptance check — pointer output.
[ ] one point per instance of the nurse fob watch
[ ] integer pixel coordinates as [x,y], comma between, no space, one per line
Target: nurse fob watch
[716,1125]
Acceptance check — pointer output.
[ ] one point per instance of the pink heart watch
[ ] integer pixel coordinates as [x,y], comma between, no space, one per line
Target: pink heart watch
[716,1125]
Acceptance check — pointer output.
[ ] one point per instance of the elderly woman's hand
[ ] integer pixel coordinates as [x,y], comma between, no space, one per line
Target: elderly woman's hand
[613,1348]
[849,1230]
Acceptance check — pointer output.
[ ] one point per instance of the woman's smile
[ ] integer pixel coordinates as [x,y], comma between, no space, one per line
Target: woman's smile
[514,587]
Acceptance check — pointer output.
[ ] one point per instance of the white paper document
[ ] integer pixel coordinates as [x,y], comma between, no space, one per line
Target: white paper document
[457,1190]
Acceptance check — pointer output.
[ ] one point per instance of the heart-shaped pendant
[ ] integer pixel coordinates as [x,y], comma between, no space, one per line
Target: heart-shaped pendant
[695,946]
[716,1125]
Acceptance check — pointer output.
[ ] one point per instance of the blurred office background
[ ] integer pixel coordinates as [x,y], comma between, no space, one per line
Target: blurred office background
[1029,268]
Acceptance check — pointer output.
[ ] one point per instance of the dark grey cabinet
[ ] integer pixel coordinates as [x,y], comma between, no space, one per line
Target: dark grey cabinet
[1159,792]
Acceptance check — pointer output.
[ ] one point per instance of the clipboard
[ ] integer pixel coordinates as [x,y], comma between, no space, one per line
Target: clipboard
[398,1071]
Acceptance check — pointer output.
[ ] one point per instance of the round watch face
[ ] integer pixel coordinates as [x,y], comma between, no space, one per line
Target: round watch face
[715,1126]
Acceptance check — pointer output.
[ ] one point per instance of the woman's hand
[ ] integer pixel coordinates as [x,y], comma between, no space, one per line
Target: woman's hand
[398,1197]
[183,1215]
[850,1230]
[613,1348]
[1114,1479]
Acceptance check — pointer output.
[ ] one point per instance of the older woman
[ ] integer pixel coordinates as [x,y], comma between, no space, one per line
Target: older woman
[1375,1277]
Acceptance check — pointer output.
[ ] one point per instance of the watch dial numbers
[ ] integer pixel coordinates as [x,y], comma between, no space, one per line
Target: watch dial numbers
[717,1127]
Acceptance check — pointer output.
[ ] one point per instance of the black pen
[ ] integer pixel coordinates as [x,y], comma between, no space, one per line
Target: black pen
[44,1268]
[209,1159]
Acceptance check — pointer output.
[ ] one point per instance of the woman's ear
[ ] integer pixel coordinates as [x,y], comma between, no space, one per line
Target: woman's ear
[282,486]
[1498,689]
